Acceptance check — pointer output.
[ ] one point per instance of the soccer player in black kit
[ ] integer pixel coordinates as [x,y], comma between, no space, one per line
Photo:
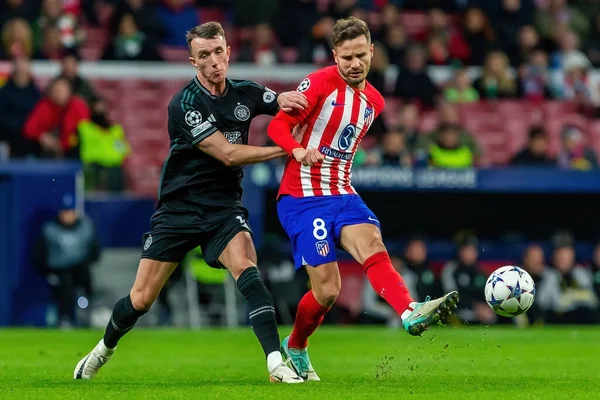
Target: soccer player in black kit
[200,197]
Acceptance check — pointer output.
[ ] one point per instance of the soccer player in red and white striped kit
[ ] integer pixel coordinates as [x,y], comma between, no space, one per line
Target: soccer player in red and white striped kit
[317,205]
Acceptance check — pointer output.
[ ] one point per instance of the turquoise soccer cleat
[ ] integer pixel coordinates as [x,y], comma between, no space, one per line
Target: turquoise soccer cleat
[429,313]
[299,361]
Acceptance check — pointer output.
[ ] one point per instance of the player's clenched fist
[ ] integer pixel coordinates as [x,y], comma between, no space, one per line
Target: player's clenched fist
[308,157]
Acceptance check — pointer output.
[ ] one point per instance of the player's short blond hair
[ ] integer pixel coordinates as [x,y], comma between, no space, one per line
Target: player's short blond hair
[208,30]
[348,29]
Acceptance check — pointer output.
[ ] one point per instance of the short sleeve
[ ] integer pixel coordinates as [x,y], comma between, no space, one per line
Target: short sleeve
[266,102]
[190,122]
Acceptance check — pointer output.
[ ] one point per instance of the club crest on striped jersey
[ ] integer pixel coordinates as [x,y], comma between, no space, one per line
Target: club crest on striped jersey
[368,116]
[322,248]
[345,140]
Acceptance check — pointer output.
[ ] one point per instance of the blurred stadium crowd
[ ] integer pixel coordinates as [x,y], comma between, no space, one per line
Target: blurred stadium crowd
[522,92]
[536,60]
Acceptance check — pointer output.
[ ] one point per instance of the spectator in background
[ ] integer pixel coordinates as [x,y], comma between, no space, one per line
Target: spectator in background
[251,13]
[52,47]
[409,121]
[461,89]
[392,150]
[416,261]
[437,50]
[178,17]
[592,44]
[103,150]
[536,152]
[576,86]
[568,46]
[17,98]
[445,43]
[340,9]
[567,295]
[496,80]
[512,17]
[379,64]
[62,21]
[534,82]
[575,154]
[447,151]
[130,44]
[527,42]
[317,50]
[145,15]
[396,43]
[64,252]
[70,70]
[558,13]
[413,83]
[535,264]
[595,269]
[262,50]
[478,34]
[448,115]
[17,40]
[464,275]
[11,9]
[53,122]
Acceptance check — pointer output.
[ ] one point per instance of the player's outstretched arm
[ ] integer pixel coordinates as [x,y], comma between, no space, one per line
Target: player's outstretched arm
[237,154]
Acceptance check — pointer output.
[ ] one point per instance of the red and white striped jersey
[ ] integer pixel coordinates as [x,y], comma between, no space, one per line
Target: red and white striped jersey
[335,121]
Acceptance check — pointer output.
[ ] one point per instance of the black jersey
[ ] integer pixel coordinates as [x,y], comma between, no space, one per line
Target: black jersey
[194,115]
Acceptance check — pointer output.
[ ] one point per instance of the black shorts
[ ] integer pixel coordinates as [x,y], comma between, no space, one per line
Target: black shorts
[182,224]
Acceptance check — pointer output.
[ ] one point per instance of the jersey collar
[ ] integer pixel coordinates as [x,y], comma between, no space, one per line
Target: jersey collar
[205,90]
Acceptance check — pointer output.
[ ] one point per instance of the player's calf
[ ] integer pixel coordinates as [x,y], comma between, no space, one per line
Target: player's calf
[261,314]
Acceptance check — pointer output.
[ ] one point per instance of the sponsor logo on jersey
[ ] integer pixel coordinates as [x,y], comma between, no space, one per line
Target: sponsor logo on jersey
[304,85]
[242,112]
[193,118]
[322,247]
[233,137]
[345,140]
[328,151]
[203,127]
[211,118]
[268,96]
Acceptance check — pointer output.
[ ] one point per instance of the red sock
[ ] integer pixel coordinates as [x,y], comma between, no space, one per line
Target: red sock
[387,282]
[309,316]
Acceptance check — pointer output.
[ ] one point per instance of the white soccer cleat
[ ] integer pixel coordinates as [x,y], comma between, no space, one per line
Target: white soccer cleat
[284,374]
[89,365]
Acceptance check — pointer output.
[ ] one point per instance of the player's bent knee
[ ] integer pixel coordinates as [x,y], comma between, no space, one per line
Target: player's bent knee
[142,300]
[326,294]
[238,268]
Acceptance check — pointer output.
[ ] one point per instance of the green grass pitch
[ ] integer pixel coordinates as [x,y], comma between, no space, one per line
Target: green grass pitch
[354,363]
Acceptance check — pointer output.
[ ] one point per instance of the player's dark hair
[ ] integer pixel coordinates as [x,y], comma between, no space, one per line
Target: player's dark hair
[348,29]
[208,30]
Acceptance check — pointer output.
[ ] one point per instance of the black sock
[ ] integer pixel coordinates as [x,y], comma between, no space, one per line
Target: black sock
[122,320]
[262,312]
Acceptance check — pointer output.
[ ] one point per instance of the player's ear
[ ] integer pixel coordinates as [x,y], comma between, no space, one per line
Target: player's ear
[334,55]
[372,49]
[192,61]
[228,52]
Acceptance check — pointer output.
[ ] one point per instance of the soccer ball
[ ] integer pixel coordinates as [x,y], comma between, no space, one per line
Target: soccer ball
[509,291]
